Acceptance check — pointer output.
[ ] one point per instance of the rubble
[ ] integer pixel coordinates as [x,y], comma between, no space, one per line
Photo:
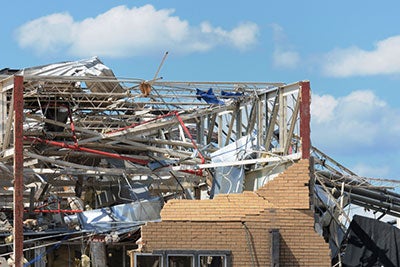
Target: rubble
[102,155]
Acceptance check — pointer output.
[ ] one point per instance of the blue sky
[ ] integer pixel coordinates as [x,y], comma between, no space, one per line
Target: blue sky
[349,50]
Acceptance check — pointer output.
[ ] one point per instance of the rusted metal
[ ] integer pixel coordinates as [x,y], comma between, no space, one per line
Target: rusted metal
[85,149]
[305,116]
[80,128]
[18,171]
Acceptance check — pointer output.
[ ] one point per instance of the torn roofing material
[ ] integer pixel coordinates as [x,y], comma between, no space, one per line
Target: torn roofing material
[117,218]
[92,67]
[87,134]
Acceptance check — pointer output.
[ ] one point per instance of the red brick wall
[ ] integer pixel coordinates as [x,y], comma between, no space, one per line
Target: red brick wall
[218,224]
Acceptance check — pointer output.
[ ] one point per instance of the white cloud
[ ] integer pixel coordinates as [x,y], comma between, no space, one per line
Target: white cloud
[285,59]
[323,107]
[357,123]
[352,61]
[47,34]
[244,35]
[370,171]
[283,56]
[124,32]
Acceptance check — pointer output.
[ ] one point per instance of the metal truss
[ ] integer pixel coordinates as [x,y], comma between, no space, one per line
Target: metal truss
[70,118]
[60,135]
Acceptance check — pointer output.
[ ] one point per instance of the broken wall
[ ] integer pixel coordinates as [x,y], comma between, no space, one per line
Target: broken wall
[241,223]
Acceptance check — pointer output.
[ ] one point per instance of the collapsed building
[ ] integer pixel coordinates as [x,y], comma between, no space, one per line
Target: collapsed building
[127,172]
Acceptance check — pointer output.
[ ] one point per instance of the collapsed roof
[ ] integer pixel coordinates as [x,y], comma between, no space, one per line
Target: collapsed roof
[91,140]
[102,154]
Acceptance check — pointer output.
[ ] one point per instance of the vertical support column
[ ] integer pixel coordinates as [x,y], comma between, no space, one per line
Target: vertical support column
[40,251]
[210,128]
[31,201]
[282,120]
[267,117]
[220,131]
[305,116]
[18,170]
[260,122]
[124,256]
[98,256]
[275,243]
[6,132]
[200,130]
[311,184]
[239,126]
[3,113]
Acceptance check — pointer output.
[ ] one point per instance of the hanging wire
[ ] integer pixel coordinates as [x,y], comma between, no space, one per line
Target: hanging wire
[250,245]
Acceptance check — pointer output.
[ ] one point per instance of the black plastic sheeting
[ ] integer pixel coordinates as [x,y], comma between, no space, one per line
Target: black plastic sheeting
[372,243]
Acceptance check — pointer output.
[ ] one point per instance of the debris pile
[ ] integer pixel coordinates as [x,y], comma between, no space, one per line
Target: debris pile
[102,154]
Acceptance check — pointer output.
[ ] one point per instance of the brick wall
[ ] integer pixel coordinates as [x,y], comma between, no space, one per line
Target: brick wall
[241,223]
[290,189]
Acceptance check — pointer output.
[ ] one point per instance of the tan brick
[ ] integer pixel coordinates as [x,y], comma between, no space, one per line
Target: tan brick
[216,224]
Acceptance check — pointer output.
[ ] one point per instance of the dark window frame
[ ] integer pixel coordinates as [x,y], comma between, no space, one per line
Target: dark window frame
[193,253]
[148,254]
[213,255]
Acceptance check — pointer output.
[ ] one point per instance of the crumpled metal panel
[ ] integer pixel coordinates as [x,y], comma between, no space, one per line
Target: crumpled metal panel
[143,211]
[92,67]
[230,179]
[118,217]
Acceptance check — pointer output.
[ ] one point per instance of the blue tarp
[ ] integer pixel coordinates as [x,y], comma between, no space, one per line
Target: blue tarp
[208,96]
[230,95]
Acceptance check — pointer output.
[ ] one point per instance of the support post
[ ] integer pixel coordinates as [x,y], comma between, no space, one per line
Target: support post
[305,115]
[282,120]
[238,122]
[3,115]
[98,254]
[18,171]
[275,243]
[210,128]
[220,131]
[260,122]
[40,251]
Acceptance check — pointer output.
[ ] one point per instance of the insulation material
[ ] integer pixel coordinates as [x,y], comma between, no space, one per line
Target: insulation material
[118,217]
[230,179]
